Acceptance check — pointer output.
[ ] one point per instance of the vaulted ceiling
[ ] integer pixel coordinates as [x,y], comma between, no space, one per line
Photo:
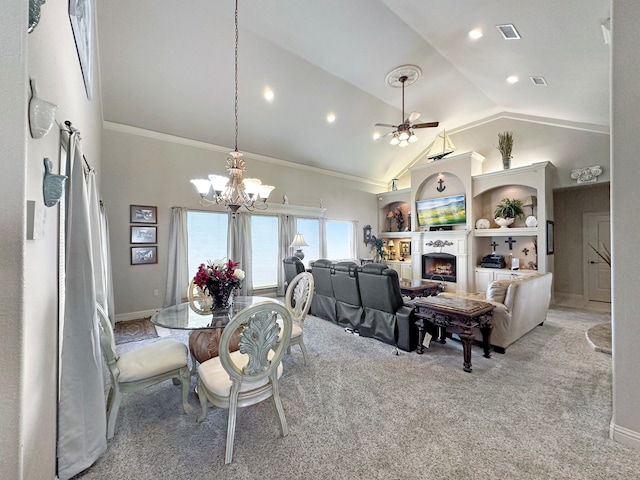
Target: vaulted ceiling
[168,66]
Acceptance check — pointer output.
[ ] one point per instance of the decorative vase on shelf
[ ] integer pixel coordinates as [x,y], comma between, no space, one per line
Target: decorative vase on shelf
[504,222]
[506,162]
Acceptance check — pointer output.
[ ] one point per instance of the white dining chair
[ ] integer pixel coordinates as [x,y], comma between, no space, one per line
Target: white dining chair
[298,301]
[132,371]
[249,375]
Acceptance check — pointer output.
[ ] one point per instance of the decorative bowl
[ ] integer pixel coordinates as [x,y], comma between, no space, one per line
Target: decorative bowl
[482,224]
[504,222]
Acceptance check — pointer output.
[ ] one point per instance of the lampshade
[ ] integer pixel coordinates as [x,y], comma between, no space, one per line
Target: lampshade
[298,241]
[530,201]
[390,243]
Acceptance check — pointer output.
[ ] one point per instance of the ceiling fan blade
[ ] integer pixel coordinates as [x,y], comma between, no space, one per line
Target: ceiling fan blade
[425,125]
[413,117]
[385,125]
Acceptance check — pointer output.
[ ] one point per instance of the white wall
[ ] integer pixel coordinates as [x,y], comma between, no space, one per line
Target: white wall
[141,170]
[625,221]
[29,284]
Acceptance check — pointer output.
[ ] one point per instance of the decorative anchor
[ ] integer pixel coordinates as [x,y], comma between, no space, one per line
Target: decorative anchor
[440,186]
[525,251]
[510,241]
[494,245]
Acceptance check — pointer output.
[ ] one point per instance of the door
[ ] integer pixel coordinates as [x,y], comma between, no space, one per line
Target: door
[597,233]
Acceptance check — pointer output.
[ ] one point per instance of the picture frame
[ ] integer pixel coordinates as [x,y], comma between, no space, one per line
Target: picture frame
[82,17]
[405,249]
[549,237]
[143,214]
[144,255]
[144,234]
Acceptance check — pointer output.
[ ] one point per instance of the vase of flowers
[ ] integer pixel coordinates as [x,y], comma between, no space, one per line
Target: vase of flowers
[221,280]
[399,218]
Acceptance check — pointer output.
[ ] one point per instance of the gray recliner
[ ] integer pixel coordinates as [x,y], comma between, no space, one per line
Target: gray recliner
[344,279]
[324,302]
[292,267]
[386,318]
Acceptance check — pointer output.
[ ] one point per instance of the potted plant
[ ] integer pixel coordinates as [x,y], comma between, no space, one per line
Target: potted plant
[378,245]
[505,145]
[507,211]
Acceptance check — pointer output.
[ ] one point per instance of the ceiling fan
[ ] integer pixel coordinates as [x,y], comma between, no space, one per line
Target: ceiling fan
[403,133]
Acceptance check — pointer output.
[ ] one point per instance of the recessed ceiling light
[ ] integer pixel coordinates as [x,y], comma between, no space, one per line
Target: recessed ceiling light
[475,34]
[376,136]
[512,79]
[331,118]
[268,94]
[508,32]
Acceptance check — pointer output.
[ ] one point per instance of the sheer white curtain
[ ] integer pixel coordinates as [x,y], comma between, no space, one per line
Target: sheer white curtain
[81,405]
[100,249]
[239,248]
[178,259]
[287,231]
[106,255]
[354,241]
[323,237]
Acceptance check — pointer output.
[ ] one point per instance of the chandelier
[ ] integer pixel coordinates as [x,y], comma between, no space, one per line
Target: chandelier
[233,191]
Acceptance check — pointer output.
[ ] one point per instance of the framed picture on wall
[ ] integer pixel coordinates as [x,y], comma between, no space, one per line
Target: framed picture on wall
[144,234]
[144,255]
[549,237]
[81,17]
[143,214]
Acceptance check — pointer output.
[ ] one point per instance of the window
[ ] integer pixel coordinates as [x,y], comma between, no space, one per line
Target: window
[310,230]
[207,238]
[339,237]
[264,245]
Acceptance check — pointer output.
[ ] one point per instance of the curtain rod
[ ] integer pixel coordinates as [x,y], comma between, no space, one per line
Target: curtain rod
[73,130]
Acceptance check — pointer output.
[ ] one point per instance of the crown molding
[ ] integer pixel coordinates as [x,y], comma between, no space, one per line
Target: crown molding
[164,137]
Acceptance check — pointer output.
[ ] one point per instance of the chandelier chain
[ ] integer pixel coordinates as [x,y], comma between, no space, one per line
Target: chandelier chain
[236,81]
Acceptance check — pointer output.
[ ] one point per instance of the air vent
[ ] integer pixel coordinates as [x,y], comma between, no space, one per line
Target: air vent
[539,81]
[509,32]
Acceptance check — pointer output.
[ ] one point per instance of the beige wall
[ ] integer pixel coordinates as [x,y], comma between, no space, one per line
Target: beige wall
[28,290]
[569,205]
[625,221]
[140,170]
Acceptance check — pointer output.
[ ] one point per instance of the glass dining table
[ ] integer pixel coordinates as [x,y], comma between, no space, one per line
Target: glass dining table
[206,328]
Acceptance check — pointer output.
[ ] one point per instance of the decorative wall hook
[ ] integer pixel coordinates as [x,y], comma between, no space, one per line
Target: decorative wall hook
[587,174]
[53,185]
[42,114]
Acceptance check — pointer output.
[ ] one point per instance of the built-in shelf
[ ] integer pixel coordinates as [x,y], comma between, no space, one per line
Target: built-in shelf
[505,232]
[394,235]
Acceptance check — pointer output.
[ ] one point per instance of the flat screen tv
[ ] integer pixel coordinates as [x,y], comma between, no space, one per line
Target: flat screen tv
[434,212]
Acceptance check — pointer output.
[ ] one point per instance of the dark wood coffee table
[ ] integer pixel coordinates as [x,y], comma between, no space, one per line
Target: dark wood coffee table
[418,288]
[458,315]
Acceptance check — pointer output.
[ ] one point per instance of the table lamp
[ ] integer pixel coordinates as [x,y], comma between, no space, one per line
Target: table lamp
[298,243]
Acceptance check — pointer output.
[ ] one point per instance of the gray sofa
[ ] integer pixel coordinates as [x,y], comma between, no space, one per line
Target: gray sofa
[364,298]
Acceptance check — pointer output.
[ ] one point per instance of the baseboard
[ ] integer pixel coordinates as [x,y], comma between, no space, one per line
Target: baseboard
[625,436]
[123,317]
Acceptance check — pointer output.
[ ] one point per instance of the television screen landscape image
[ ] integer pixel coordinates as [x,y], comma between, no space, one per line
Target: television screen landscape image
[434,212]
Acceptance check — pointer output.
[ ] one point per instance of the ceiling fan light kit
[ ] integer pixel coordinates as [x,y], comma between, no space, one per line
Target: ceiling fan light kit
[403,134]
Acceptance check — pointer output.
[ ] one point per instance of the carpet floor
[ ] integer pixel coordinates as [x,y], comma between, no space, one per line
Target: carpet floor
[134,331]
[356,411]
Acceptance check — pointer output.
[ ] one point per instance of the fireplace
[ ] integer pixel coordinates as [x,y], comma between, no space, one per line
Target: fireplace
[442,266]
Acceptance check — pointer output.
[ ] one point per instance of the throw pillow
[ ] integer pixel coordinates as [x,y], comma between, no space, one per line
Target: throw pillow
[497,290]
